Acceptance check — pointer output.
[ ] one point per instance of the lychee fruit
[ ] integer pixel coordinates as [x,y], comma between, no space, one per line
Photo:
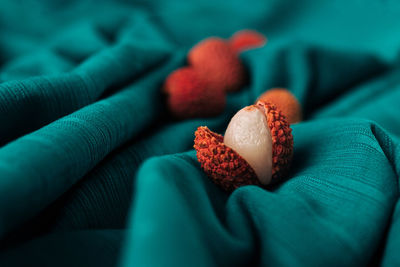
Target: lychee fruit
[247,39]
[256,150]
[285,101]
[189,96]
[218,63]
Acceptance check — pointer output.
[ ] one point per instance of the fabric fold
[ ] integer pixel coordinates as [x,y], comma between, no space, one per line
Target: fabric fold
[68,148]
[95,172]
[340,205]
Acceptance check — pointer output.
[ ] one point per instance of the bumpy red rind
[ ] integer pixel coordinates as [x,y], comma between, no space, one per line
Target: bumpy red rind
[282,140]
[189,96]
[219,64]
[228,169]
[222,164]
[247,39]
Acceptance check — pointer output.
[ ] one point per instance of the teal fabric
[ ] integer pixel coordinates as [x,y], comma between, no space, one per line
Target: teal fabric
[94,172]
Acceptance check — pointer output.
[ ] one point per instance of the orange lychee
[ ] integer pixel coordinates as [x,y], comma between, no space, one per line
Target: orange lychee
[285,101]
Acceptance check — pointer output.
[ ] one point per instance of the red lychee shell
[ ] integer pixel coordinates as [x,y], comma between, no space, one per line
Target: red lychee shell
[218,63]
[282,140]
[228,169]
[247,39]
[225,167]
[285,101]
[189,96]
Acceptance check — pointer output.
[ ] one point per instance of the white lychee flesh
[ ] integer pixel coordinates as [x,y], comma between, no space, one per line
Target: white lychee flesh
[249,135]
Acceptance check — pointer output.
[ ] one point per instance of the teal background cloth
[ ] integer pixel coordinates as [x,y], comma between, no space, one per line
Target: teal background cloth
[94,172]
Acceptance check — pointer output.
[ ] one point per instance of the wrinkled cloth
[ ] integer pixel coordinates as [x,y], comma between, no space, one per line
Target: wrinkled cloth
[94,172]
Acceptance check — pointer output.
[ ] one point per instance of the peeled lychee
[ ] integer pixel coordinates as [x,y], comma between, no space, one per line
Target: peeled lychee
[218,63]
[247,39]
[257,148]
[249,135]
[189,96]
[285,101]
